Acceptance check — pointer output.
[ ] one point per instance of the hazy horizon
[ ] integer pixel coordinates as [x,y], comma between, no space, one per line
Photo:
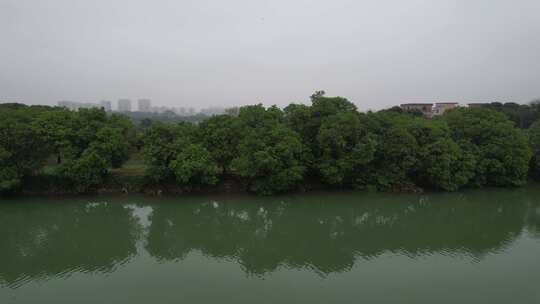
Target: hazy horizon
[202,53]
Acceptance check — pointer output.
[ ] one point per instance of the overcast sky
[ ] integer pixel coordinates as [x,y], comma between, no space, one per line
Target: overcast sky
[203,53]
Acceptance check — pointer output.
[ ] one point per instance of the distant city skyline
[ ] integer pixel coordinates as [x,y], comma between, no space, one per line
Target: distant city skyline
[153,106]
[135,106]
[143,105]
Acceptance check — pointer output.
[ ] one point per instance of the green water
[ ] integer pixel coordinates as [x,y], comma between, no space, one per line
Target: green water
[474,247]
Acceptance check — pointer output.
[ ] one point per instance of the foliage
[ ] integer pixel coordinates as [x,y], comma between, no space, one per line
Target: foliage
[171,153]
[22,151]
[86,172]
[445,165]
[346,148]
[269,154]
[317,124]
[522,115]
[441,162]
[394,159]
[144,119]
[272,150]
[501,151]
[111,144]
[193,165]
[78,141]
[534,142]
[161,144]
[220,135]
[271,160]
[10,178]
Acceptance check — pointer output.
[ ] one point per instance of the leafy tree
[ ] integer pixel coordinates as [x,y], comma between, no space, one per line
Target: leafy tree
[323,106]
[10,178]
[441,162]
[269,154]
[346,148]
[121,122]
[86,172]
[193,165]
[112,146]
[298,118]
[171,153]
[71,133]
[146,123]
[84,139]
[258,117]
[87,123]
[22,152]
[58,129]
[162,142]
[394,158]
[522,115]
[220,135]
[534,143]
[501,151]
[445,165]
[307,121]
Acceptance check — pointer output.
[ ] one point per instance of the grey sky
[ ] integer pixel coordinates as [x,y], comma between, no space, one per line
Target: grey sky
[203,53]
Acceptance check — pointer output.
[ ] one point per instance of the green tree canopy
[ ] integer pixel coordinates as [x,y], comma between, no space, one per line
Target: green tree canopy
[220,135]
[501,151]
[270,155]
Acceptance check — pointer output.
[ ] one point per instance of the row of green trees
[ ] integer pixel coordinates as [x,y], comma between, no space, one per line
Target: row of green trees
[270,150]
[522,115]
[331,143]
[80,147]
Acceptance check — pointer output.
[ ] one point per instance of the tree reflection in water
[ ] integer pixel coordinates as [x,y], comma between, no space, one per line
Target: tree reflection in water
[43,240]
[321,232]
[328,233]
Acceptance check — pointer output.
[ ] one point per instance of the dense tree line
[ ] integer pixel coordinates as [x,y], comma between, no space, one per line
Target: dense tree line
[331,143]
[83,145]
[143,120]
[523,115]
[269,150]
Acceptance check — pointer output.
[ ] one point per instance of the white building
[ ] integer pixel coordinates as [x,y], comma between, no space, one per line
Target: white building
[124,105]
[441,107]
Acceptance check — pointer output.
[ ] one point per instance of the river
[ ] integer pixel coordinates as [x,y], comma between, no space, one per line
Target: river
[477,246]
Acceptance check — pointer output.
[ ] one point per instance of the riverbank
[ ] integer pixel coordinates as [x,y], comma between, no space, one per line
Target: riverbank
[123,184]
[134,183]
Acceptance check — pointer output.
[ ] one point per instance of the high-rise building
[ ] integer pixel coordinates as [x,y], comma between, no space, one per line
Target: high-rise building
[124,105]
[145,105]
[106,105]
